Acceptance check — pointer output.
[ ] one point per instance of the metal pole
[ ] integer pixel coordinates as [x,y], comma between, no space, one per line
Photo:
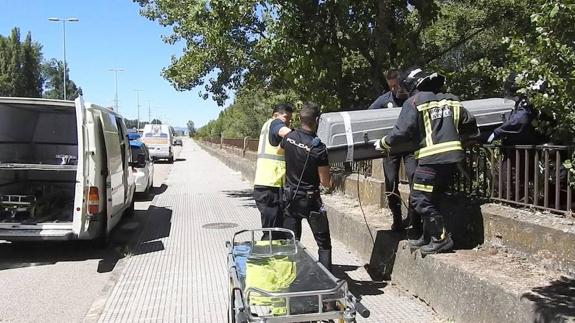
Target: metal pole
[64,20]
[64,29]
[149,112]
[138,105]
[116,92]
[116,101]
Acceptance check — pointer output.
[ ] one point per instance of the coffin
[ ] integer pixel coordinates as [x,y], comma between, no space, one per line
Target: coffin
[349,136]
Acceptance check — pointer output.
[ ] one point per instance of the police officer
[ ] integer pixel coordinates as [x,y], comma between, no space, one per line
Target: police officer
[438,123]
[270,168]
[394,98]
[307,167]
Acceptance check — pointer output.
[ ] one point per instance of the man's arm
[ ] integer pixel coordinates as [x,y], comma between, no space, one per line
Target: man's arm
[323,168]
[381,102]
[325,177]
[278,130]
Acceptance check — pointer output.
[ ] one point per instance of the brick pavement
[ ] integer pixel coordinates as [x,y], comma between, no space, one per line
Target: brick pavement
[178,271]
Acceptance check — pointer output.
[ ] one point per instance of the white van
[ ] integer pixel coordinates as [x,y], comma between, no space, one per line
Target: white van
[64,170]
[159,139]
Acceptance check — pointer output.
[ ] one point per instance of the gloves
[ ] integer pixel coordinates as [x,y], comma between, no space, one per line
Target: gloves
[381,145]
[490,139]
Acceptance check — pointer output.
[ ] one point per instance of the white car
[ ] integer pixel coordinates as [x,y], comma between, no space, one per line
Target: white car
[142,167]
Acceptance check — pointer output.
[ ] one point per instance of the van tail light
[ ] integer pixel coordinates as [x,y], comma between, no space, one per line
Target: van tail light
[93,200]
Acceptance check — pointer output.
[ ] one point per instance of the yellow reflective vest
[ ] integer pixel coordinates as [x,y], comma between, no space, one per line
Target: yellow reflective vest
[271,166]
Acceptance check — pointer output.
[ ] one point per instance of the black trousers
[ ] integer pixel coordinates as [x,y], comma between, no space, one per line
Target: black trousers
[429,183]
[311,209]
[269,203]
[391,166]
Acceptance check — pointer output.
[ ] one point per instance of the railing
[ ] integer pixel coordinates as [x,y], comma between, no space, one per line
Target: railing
[523,175]
[526,176]
[363,167]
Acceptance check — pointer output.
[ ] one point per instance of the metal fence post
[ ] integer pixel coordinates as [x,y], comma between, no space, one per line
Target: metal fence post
[245,146]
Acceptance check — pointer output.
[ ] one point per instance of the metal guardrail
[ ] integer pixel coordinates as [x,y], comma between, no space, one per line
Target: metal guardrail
[523,175]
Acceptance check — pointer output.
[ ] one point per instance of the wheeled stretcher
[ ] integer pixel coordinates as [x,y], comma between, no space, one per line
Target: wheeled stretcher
[280,281]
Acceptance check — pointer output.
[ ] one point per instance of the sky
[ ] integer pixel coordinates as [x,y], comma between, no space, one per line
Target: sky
[110,34]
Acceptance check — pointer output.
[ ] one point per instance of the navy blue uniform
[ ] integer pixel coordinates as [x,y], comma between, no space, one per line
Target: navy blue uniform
[392,163]
[301,191]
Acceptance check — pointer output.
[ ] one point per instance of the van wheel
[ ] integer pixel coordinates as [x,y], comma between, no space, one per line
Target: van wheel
[171,160]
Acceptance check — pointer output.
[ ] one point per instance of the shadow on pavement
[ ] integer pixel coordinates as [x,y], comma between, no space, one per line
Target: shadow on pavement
[554,302]
[244,196]
[156,190]
[358,288]
[158,226]
[179,159]
[149,225]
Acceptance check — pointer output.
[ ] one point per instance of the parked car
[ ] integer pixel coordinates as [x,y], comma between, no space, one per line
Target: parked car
[142,167]
[65,170]
[159,139]
[178,142]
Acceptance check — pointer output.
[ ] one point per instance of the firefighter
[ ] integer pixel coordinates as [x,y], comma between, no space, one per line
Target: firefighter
[270,168]
[394,98]
[307,167]
[438,123]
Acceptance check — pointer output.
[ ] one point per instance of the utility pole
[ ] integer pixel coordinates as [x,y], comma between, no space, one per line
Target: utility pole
[63,21]
[138,105]
[149,112]
[116,70]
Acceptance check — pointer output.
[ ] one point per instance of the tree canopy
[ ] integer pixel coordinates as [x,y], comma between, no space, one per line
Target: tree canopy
[20,66]
[53,71]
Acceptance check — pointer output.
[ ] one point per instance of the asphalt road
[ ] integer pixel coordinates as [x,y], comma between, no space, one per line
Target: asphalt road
[58,281]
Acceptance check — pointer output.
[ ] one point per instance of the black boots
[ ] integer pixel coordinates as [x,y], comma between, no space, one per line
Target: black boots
[417,235]
[440,240]
[325,258]
[398,223]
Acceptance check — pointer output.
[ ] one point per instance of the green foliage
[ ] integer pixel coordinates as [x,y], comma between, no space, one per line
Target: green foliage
[20,71]
[331,52]
[133,123]
[245,116]
[547,53]
[53,71]
[191,128]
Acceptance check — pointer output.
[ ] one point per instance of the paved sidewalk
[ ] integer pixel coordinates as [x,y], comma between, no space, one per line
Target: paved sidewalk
[178,271]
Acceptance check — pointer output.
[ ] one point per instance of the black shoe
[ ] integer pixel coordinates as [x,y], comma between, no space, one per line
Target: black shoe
[417,235]
[437,245]
[398,223]
[419,242]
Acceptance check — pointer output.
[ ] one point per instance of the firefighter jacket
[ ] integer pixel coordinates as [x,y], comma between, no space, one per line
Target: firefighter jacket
[436,122]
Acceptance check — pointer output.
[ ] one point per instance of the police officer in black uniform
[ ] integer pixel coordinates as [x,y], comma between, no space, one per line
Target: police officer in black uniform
[438,123]
[394,98]
[307,167]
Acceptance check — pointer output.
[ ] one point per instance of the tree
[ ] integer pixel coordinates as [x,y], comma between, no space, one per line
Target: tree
[20,66]
[331,52]
[191,128]
[544,59]
[156,121]
[53,71]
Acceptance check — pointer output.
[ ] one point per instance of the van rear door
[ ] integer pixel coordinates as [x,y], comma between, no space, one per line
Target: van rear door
[115,181]
[81,174]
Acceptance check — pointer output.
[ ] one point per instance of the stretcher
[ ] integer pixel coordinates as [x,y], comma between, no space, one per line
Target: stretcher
[280,281]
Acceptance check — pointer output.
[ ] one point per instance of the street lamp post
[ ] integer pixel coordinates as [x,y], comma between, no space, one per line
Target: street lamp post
[63,21]
[116,70]
[138,104]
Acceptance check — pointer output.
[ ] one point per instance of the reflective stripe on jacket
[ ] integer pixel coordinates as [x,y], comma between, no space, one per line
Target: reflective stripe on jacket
[270,167]
[436,122]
